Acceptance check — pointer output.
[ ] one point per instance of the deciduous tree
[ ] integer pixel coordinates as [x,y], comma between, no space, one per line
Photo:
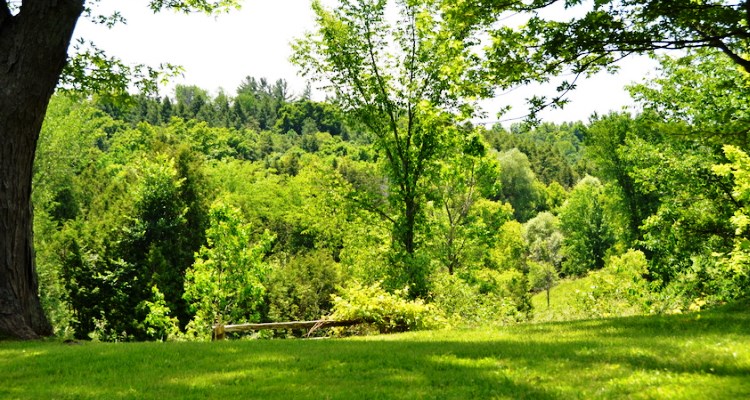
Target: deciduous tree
[226,283]
[34,42]
[587,236]
[404,81]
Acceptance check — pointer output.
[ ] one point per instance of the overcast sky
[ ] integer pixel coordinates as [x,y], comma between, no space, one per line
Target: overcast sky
[219,52]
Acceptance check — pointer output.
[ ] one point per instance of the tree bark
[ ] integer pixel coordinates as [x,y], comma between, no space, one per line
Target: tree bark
[33,52]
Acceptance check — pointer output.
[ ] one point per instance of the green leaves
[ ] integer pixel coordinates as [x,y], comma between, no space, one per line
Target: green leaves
[90,70]
[187,6]
[739,169]
[587,236]
[225,285]
[158,322]
[734,271]
[705,89]
[406,79]
[594,36]
[387,312]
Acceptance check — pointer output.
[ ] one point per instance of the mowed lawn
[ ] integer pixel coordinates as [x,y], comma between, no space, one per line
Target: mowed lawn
[693,356]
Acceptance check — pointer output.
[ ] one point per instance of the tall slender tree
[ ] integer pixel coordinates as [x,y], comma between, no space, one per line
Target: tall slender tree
[404,79]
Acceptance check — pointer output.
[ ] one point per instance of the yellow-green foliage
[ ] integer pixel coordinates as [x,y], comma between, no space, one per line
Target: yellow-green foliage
[734,273]
[158,322]
[226,283]
[300,288]
[388,312]
[616,290]
[509,252]
[465,304]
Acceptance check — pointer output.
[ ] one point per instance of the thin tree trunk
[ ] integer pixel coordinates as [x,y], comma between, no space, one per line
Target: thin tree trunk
[410,224]
[413,269]
[33,51]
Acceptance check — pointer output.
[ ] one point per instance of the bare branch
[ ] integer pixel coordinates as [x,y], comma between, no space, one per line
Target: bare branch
[381,86]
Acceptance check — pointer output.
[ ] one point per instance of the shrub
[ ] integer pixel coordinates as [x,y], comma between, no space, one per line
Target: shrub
[465,305]
[387,312]
[707,281]
[158,324]
[301,287]
[509,288]
[618,289]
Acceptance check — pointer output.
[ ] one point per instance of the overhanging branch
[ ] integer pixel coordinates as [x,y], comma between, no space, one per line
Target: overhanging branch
[744,63]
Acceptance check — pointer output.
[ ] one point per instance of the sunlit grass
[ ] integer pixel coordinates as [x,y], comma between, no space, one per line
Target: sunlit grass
[562,305]
[701,356]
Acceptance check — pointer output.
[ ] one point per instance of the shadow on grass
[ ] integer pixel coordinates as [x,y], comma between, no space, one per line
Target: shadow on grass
[583,359]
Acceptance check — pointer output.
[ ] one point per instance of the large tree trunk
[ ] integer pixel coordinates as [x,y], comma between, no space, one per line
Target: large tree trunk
[33,51]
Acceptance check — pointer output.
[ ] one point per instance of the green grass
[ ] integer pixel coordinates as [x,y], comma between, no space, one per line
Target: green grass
[562,305]
[700,356]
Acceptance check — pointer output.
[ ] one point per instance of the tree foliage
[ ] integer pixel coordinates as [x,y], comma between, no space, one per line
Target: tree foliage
[519,185]
[402,80]
[226,283]
[574,38]
[35,40]
[584,225]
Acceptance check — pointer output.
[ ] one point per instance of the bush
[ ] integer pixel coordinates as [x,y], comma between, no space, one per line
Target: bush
[301,288]
[385,311]
[509,287]
[158,323]
[618,289]
[706,282]
[465,305]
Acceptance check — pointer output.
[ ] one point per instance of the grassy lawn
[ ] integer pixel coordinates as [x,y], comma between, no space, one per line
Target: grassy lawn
[701,356]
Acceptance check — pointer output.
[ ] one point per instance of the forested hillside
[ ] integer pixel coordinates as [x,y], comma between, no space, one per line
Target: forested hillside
[156,216]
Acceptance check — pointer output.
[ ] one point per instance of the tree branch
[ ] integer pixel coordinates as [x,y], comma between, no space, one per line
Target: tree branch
[732,55]
[410,106]
[382,88]
[370,207]
[353,77]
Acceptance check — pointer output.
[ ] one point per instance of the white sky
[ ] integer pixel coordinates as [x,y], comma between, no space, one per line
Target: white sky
[220,51]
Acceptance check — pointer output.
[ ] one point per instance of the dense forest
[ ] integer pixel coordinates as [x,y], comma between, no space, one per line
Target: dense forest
[156,217]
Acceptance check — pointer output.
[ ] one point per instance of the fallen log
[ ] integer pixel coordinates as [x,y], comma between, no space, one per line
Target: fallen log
[221,330]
